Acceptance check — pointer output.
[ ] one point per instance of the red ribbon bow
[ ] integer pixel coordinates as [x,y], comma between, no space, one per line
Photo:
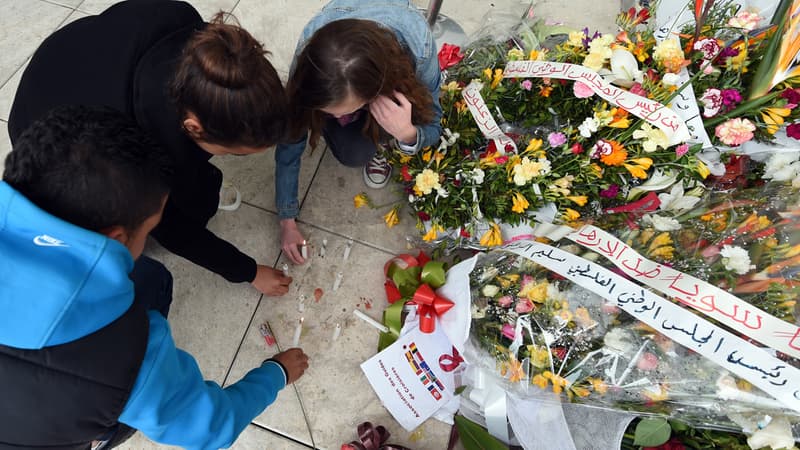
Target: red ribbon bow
[429,306]
[372,438]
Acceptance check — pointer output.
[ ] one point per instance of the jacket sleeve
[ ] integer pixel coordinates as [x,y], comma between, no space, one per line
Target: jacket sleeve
[191,239]
[171,403]
[287,174]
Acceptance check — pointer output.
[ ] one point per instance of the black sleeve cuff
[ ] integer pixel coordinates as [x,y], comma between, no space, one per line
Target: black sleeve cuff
[283,368]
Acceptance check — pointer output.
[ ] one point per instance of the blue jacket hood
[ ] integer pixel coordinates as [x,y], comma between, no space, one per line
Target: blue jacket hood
[58,282]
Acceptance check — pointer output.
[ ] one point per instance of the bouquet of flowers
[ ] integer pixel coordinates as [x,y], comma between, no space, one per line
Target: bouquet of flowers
[537,328]
[566,150]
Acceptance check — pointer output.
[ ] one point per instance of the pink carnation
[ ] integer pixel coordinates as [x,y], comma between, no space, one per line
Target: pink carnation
[647,362]
[582,90]
[735,132]
[524,305]
[681,150]
[508,331]
[505,301]
[793,130]
[712,102]
[527,85]
[709,46]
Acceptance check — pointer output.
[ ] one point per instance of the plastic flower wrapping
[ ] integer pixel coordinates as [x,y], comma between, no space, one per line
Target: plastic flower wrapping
[537,327]
[575,123]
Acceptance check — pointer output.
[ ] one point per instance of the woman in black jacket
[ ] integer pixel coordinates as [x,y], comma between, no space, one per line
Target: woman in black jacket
[200,89]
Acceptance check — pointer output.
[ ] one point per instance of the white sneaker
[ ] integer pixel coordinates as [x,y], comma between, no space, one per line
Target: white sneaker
[377,172]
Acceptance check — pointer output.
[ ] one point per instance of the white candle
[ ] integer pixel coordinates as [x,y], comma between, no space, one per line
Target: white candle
[297,332]
[322,249]
[304,250]
[338,280]
[285,269]
[347,248]
[371,321]
[336,332]
[301,304]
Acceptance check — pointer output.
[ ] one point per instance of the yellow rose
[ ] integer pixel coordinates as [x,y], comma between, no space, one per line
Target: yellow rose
[427,181]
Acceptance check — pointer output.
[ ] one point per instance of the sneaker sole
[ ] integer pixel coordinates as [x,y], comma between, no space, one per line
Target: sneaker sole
[372,184]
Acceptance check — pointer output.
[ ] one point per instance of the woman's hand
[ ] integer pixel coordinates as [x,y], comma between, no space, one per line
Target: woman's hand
[393,114]
[291,240]
[271,281]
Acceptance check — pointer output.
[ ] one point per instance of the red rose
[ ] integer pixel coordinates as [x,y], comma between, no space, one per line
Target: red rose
[672,444]
[464,233]
[449,56]
[793,130]
[404,173]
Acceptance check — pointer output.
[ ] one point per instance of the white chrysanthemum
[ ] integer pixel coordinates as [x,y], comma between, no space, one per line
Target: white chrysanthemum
[736,259]
[661,223]
[782,166]
[588,127]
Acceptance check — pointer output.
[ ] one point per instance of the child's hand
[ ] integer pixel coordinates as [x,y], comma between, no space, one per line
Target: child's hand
[393,114]
[271,281]
[291,239]
[295,362]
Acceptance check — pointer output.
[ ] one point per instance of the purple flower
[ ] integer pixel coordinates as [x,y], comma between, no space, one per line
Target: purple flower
[527,85]
[731,98]
[729,52]
[611,192]
[793,130]
[588,39]
[556,139]
[791,95]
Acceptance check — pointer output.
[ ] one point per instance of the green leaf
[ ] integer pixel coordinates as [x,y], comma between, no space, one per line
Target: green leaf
[474,437]
[678,425]
[651,432]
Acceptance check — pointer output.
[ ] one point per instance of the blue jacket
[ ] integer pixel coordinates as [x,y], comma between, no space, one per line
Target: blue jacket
[412,31]
[59,282]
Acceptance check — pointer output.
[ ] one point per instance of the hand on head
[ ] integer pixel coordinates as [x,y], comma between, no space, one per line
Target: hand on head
[393,114]
[295,362]
[291,241]
[271,281]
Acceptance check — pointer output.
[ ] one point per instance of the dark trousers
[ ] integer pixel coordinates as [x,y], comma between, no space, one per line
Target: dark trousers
[152,284]
[347,143]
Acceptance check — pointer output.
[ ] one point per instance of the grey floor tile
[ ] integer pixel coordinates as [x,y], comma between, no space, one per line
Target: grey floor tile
[329,205]
[252,438]
[335,392]
[209,315]
[254,175]
[23,26]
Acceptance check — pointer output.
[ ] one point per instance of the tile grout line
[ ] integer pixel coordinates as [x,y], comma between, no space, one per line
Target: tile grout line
[287,437]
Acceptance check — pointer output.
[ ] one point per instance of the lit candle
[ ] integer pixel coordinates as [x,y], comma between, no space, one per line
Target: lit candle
[297,332]
[347,248]
[337,331]
[301,305]
[304,250]
[322,249]
[338,280]
[371,321]
[285,269]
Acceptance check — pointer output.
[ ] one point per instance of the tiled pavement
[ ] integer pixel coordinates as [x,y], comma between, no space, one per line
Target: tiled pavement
[217,321]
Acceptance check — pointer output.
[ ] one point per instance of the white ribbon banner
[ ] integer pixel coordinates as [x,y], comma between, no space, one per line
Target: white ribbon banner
[651,111]
[729,351]
[698,294]
[483,117]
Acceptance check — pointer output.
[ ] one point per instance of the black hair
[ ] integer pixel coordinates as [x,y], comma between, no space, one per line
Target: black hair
[90,166]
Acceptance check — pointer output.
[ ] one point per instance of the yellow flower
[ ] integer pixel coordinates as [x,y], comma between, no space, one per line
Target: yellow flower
[669,53]
[652,138]
[450,87]
[540,356]
[520,203]
[534,147]
[535,292]
[580,200]
[580,391]
[506,281]
[515,373]
[558,382]
[570,214]
[583,318]
[493,237]
[527,169]
[644,162]
[426,156]
[702,169]
[433,233]
[656,396]
[575,38]
[427,181]
[405,158]
[540,381]
[737,62]
[534,55]
[360,200]
[598,385]
[565,315]
[498,77]
[773,117]
[391,217]
[438,157]
[620,118]
[515,54]
[461,106]
[665,253]
[487,74]
[596,170]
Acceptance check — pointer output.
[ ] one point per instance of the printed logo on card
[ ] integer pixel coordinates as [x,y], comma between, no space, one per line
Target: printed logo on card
[44,240]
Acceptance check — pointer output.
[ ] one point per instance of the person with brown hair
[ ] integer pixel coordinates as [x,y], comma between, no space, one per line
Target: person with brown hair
[199,89]
[364,73]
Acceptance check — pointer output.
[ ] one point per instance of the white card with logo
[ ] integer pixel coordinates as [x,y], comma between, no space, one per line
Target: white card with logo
[414,376]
